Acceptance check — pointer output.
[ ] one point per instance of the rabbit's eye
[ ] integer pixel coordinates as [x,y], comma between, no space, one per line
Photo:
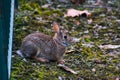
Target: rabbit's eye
[65,37]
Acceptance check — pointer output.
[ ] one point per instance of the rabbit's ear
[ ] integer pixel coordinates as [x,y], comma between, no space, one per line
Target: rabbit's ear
[56,27]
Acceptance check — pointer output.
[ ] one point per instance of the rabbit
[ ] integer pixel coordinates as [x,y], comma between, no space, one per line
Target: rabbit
[45,48]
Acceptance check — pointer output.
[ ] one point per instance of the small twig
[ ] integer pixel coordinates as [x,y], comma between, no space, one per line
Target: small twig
[69,51]
[67,68]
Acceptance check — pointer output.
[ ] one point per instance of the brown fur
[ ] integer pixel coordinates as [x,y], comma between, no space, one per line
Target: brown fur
[44,48]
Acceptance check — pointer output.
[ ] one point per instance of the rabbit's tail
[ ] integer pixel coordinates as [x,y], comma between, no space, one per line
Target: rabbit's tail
[20,53]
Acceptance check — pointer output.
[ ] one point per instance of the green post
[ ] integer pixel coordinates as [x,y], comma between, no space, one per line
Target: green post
[3,61]
[6,30]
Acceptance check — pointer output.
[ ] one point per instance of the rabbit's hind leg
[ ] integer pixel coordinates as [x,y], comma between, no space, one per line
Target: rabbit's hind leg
[40,59]
[38,56]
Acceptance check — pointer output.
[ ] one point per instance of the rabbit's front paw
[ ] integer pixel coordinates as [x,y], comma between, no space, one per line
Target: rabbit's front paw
[61,61]
[44,60]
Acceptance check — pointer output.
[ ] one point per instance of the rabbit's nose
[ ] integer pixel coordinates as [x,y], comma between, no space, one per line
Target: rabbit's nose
[75,39]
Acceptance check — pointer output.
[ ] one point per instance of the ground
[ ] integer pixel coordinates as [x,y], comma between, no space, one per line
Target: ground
[92,62]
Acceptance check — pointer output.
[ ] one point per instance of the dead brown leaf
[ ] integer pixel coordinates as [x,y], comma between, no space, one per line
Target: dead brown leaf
[109,46]
[74,13]
[77,22]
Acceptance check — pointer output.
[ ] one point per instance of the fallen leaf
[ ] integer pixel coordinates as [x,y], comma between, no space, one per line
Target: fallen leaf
[67,68]
[76,39]
[109,46]
[118,21]
[46,5]
[74,13]
[77,22]
[60,78]
[88,45]
[90,21]
[86,36]
[117,78]
[93,70]
[86,31]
